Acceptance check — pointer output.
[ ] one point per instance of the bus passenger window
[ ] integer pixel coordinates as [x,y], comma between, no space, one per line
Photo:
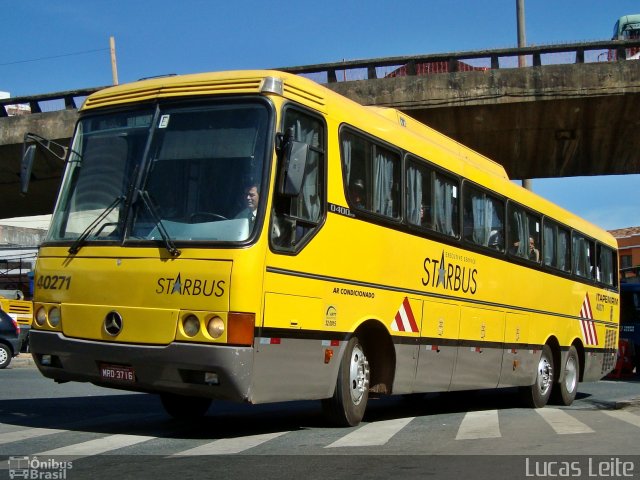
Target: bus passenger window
[418,196]
[556,250]
[432,199]
[606,262]
[583,256]
[524,233]
[372,175]
[483,218]
[445,205]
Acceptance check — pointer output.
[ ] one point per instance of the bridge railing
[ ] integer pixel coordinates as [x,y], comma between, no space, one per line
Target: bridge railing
[48,102]
[369,69]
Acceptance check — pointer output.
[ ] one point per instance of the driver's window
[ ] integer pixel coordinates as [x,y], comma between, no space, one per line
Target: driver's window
[295,219]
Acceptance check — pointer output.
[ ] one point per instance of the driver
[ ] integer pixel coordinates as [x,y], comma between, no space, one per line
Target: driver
[252,195]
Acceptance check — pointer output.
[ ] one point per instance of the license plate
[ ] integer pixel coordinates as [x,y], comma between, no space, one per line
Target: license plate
[117,373]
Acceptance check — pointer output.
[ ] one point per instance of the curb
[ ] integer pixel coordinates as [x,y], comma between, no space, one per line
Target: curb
[23,360]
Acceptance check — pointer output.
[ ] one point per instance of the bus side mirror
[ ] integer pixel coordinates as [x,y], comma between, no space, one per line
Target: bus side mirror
[294,163]
[26,166]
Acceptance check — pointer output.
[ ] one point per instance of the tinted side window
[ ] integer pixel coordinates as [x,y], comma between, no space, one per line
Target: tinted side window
[483,218]
[432,199]
[296,218]
[524,233]
[372,175]
[583,256]
[606,265]
[556,246]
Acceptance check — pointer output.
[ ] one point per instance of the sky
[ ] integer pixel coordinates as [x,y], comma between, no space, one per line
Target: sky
[57,45]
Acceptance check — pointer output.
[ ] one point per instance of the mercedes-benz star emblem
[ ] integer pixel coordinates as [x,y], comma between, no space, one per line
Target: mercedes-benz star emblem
[113,323]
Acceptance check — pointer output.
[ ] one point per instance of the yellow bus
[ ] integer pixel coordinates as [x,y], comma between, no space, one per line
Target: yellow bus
[256,237]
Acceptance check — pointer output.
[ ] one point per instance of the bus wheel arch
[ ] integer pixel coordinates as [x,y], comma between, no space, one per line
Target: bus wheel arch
[581,357]
[381,354]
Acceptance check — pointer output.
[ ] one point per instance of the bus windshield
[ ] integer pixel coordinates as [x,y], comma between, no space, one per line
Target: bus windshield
[192,172]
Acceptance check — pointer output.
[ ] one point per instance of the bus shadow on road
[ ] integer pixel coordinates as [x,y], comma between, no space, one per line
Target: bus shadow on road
[143,414]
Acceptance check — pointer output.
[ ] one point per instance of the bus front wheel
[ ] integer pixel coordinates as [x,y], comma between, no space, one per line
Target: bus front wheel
[182,407]
[564,392]
[537,395]
[349,402]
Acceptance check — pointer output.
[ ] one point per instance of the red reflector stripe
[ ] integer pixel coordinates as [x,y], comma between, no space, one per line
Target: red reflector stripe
[275,341]
[335,343]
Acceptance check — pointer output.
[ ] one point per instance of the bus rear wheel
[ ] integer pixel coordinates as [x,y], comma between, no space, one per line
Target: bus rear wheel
[182,407]
[349,402]
[537,395]
[564,392]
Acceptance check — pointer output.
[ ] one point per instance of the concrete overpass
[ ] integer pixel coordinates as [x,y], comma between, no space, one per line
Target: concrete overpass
[569,113]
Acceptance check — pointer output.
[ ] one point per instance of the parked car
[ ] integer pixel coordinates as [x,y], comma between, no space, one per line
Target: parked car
[10,339]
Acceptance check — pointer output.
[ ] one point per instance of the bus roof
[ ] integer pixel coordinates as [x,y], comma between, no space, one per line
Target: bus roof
[388,123]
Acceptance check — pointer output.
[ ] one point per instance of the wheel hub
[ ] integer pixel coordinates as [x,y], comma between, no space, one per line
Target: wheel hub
[358,375]
[545,375]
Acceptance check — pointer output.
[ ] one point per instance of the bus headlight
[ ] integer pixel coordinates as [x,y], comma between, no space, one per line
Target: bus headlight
[191,325]
[215,327]
[54,317]
[41,316]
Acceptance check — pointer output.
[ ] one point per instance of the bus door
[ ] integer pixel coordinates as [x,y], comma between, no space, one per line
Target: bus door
[291,359]
[480,348]
[438,349]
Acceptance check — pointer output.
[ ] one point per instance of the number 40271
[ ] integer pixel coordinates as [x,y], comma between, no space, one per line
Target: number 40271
[54,282]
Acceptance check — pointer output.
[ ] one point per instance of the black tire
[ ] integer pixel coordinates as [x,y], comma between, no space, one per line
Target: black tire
[564,392]
[349,402]
[537,395]
[182,407]
[5,356]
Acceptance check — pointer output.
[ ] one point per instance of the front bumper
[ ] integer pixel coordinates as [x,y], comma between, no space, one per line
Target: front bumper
[176,368]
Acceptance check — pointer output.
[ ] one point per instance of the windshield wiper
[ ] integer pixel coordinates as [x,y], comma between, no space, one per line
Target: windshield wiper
[75,247]
[168,242]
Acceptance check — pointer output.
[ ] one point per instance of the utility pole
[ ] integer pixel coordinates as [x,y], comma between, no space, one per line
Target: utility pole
[522,42]
[114,64]
[522,36]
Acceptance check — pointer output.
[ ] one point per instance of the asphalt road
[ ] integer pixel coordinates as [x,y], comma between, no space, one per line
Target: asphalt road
[105,433]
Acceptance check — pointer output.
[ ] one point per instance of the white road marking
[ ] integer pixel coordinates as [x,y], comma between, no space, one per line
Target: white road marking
[482,424]
[26,434]
[376,433]
[624,416]
[97,446]
[562,422]
[225,446]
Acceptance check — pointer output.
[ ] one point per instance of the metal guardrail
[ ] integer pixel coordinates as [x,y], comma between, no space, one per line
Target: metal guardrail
[369,69]
[65,100]
[491,59]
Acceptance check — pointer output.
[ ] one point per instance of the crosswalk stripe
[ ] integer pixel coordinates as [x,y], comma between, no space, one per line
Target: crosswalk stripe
[562,422]
[26,434]
[371,434]
[226,446]
[482,424]
[98,445]
[624,416]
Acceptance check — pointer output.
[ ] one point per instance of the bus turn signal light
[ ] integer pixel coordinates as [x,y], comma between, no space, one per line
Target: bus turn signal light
[241,326]
[328,355]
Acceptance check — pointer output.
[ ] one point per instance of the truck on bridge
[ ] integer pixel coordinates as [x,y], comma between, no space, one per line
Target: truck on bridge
[627,28]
